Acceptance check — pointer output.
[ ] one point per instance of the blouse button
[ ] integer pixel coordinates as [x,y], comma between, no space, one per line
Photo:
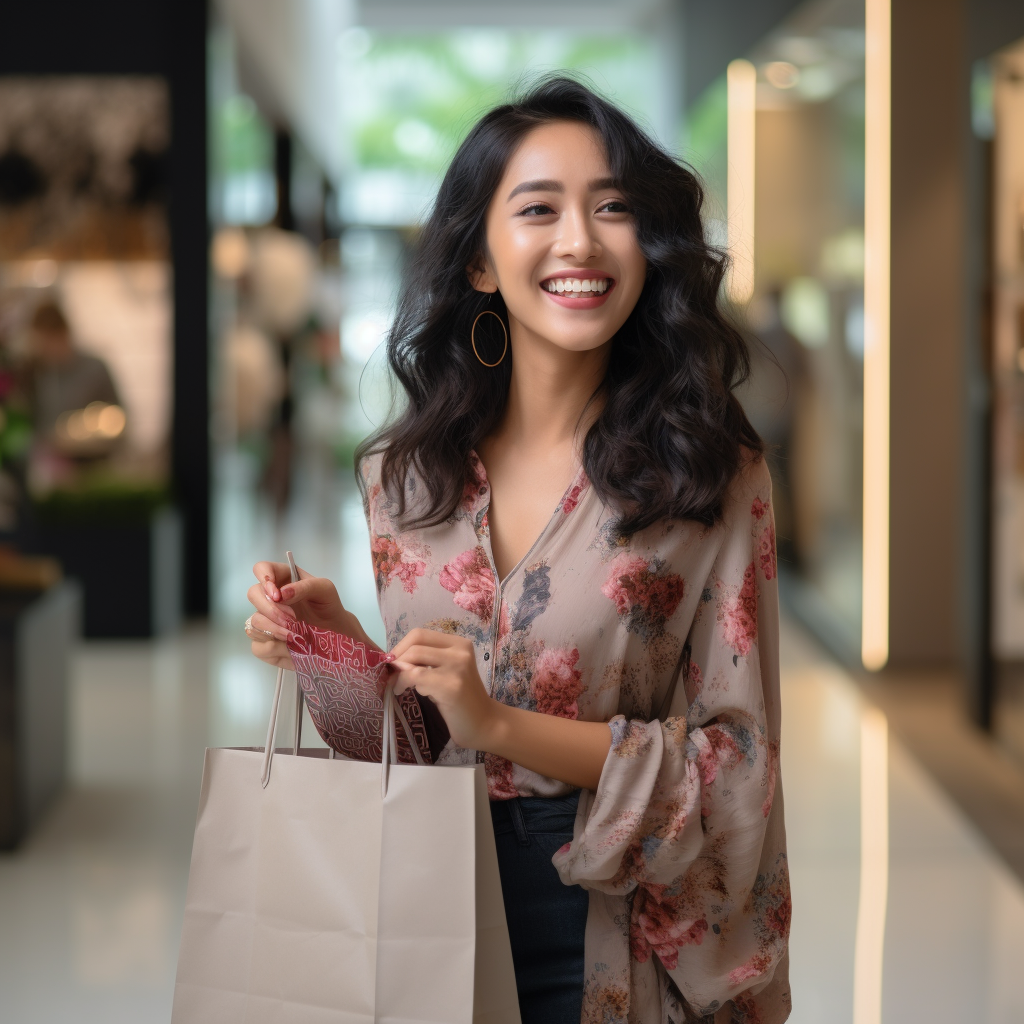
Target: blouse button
[487,655]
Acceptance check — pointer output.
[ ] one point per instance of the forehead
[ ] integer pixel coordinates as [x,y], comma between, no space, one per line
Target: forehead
[565,151]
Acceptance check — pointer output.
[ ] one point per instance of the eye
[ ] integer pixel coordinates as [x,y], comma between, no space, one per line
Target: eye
[536,210]
[613,206]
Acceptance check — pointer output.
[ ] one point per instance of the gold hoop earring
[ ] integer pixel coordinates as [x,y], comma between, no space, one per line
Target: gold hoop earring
[472,336]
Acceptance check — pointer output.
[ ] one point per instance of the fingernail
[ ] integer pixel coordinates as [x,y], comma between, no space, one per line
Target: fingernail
[287,593]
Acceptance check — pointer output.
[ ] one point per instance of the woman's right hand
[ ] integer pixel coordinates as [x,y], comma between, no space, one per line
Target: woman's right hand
[278,603]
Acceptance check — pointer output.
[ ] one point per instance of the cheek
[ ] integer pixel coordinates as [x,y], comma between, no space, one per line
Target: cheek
[516,257]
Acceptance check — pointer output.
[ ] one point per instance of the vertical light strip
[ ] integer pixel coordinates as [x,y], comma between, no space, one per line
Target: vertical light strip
[874,868]
[874,643]
[741,79]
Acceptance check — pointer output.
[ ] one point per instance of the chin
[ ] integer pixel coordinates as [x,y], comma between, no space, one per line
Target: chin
[577,344]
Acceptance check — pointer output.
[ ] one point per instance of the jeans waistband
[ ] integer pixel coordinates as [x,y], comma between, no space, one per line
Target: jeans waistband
[534,815]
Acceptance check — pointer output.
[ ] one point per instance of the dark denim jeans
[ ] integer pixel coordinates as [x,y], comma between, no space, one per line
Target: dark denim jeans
[546,919]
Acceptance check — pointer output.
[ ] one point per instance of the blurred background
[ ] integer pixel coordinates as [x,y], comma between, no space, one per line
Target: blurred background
[205,210]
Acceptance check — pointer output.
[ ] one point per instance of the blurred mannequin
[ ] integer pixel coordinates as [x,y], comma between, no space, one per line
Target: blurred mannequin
[60,377]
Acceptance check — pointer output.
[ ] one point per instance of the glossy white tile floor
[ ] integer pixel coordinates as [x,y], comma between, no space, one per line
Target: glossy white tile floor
[90,908]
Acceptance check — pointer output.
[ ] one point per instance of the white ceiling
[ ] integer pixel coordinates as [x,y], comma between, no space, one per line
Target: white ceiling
[288,48]
[592,15]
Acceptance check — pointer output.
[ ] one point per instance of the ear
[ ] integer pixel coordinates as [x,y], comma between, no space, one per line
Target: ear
[480,276]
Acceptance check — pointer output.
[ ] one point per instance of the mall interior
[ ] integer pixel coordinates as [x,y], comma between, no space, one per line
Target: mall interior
[209,204]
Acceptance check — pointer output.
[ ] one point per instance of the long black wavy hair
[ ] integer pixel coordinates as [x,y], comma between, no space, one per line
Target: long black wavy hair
[671,434]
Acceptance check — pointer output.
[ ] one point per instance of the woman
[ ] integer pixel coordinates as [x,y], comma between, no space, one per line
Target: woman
[614,662]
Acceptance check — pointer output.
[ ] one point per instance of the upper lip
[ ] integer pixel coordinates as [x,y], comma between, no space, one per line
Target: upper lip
[583,275]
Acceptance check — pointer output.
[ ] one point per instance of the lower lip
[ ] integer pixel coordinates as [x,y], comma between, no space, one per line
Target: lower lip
[578,300]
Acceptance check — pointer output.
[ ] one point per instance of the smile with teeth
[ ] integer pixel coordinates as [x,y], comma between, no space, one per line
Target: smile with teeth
[577,285]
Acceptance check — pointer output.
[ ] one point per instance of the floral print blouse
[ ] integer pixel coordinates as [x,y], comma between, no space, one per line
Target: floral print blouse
[670,636]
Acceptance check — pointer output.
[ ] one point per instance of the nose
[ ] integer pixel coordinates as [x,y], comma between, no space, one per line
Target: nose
[577,240]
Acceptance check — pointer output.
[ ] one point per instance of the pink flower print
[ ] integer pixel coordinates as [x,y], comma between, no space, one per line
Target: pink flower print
[644,595]
[386,555]
[556,682]
[759,508]
[778,917]
[499,778]
[470,578]
[753,968]
[740,615]
[751,1013]
[766,551]
[693,684]
[476,484]
[620,585]
[572,499]
[661,928]
[716,749]
[389,562]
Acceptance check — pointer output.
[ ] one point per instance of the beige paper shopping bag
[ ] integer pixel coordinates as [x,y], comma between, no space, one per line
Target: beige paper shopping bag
[343,891]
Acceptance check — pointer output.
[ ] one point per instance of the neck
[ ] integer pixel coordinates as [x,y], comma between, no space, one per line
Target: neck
[550,391]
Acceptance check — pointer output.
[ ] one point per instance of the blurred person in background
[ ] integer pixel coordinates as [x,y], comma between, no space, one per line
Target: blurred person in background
[60,377]
[72,400]
[613,664]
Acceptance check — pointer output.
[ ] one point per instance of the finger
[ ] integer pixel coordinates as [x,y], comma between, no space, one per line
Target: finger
[414,677]
[259,627]
[426,657]
[280,613]
[273,652]
[420,637]
[308,588]
[272,576]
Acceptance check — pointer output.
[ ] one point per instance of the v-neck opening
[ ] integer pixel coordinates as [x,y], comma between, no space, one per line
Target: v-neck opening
[500,583]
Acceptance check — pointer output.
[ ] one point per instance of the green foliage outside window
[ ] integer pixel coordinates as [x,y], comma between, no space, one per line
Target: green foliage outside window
[410,100]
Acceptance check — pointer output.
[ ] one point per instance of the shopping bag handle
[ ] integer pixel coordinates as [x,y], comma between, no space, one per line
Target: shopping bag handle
[389,744]
[268,750]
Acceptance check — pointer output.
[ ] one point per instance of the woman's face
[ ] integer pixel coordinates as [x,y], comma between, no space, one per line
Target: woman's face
[561,242]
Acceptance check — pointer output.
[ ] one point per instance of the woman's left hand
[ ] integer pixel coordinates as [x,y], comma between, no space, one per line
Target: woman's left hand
[442,667]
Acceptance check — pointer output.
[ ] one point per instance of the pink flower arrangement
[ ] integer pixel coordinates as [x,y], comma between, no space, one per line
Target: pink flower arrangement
[389,563]
[470,578]
[739,628]
[556,683]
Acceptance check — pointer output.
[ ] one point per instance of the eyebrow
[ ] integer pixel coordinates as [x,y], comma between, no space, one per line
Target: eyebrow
[550,185]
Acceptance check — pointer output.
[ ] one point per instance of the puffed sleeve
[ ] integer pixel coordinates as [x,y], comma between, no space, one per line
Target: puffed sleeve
[686,821]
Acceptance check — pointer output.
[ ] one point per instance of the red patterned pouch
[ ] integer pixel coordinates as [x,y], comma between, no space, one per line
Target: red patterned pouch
[343,681]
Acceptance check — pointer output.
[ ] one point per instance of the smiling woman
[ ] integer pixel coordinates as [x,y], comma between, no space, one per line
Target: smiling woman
[591,197]
[574,553]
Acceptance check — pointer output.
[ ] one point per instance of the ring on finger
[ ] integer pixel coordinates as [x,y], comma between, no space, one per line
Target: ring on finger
[250,629]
